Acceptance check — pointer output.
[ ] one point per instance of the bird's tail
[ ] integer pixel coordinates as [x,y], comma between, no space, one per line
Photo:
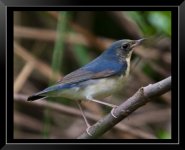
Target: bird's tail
[46,92]
[41,94]
[35,97]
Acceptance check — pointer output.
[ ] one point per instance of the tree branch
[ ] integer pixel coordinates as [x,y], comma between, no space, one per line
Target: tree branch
[140,98]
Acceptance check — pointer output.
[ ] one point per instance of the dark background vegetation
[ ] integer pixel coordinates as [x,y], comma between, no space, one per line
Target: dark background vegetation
[48,45]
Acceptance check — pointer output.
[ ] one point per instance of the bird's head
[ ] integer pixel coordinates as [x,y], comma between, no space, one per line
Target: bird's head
[123,48]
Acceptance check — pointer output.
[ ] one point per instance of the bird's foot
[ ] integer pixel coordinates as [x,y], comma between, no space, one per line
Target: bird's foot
[87,130]
[112,112]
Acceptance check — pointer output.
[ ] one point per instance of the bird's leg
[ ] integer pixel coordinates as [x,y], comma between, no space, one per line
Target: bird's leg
[104,103]
[112,112]
[100,102]
[85,119]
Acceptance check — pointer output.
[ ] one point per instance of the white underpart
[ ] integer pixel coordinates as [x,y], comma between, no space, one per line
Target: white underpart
[98,89]
[128,66]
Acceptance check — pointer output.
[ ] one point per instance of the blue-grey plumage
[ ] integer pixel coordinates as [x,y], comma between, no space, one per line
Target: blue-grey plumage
[98,79]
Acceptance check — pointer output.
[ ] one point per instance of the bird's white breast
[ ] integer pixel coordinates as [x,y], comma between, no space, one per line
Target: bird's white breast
[98,88]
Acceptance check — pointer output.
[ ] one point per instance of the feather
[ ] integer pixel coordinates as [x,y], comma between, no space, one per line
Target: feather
[99,68]
[82,75]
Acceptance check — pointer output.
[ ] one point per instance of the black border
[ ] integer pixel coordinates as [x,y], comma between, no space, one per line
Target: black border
[10,80]
[3,76]
[90,3]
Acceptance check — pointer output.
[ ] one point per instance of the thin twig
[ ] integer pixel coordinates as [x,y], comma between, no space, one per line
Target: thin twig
[34,33]
[140,98]
[47,35]
[22,77]
[26,121]
[28,57]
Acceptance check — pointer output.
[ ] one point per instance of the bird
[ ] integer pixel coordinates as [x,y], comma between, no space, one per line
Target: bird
[100,78]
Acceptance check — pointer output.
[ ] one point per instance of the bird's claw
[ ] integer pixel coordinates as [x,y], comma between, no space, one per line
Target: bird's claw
[87,130]
[112,112]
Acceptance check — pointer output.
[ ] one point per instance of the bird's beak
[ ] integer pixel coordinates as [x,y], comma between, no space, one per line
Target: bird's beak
[138,42]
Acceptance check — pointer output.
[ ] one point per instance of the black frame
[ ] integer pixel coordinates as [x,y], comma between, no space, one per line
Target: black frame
[7,140]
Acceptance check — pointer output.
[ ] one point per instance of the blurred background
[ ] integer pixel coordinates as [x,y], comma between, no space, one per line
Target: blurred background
[49,45]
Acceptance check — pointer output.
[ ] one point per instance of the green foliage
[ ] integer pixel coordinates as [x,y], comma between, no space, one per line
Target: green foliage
[59,44]
[161,21]
[152,22]
[163,134]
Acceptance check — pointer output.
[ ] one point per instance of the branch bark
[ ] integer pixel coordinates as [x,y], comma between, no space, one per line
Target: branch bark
[140,98]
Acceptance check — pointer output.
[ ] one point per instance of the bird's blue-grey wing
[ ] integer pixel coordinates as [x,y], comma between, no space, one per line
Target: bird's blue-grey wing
[94,70]
[82,75]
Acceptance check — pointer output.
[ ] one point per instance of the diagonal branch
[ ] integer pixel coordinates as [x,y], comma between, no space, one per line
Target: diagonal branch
[140,98]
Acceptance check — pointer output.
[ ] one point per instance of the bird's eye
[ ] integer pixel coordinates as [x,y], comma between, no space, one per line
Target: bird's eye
[125,46]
